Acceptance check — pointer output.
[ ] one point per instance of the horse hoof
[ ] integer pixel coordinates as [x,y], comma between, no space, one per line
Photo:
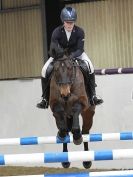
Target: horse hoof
[87,164]
[78,141]
[65,164]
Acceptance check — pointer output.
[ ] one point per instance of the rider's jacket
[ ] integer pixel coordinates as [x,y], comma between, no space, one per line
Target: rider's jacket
[75,45]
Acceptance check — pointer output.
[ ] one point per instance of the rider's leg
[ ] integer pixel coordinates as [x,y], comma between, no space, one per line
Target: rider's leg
[45,82]
[92,91]
[45,93]
[91,81]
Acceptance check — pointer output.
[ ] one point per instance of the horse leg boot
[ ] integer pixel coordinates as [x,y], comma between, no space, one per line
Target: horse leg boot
[45,93]
[92,92]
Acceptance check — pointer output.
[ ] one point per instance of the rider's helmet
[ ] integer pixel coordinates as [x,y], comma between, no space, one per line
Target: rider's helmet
[68,14]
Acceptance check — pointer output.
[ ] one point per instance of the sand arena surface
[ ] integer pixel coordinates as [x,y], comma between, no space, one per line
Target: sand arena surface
[14,171]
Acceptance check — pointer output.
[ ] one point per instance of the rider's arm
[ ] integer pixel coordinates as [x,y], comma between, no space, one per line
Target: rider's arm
[55,36]
[80,44]
[54,45]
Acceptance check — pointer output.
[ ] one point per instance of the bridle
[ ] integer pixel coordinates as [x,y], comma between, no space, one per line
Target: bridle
[74,65]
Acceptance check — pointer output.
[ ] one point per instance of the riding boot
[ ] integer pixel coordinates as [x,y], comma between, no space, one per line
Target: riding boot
[92,92]
[45,93]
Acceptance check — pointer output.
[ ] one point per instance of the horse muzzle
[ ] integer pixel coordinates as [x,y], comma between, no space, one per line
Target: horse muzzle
[65,91]
[65,97]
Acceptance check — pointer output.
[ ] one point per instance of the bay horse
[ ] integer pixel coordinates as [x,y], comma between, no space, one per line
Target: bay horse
[68,100]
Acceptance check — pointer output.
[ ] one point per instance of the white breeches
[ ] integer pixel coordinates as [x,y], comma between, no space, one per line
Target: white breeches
[82,57]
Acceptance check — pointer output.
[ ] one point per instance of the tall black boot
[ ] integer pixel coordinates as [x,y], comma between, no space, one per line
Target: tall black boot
[45,93]
[92,92]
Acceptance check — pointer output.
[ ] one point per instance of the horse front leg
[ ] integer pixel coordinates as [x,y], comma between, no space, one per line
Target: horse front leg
[58,113]
[77,135]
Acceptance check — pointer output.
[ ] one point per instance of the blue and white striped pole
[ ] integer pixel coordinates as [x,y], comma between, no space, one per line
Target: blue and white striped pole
[41,158]
[124,173]
[68,139]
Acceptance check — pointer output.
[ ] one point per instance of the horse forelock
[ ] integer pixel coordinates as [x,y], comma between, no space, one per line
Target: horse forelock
[64,62]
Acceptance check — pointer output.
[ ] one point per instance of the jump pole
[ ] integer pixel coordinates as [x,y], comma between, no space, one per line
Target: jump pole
[42,158]
[68,139]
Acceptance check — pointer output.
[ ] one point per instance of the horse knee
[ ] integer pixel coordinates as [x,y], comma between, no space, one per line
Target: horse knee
[57,108]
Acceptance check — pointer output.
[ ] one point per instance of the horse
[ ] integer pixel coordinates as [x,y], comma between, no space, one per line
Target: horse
[68,100]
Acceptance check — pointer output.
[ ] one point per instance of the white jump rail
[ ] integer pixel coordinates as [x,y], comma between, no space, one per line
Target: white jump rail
[42,158]
[68,139]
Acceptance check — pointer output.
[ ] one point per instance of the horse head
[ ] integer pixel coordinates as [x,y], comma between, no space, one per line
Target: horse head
[64,70]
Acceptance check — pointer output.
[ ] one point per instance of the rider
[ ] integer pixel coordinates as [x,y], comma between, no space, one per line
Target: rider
[71,37]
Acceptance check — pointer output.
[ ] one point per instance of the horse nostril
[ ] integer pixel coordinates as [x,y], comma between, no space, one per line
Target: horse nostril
[65,98]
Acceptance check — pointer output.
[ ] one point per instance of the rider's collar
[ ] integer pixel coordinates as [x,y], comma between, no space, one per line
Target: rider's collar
[63,29]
